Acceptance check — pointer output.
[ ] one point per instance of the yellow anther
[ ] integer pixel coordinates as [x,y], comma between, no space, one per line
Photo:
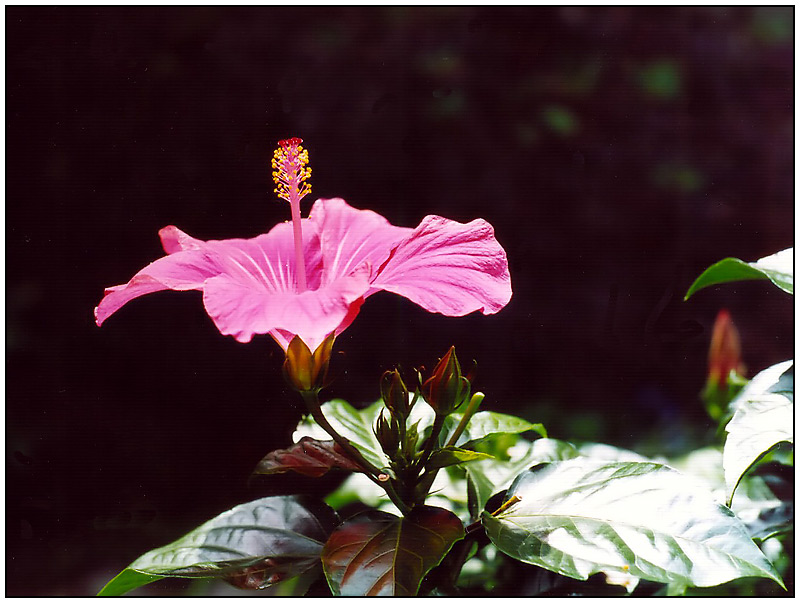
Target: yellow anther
[290,173]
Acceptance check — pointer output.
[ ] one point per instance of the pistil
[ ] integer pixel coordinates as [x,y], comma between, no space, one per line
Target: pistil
[290,173]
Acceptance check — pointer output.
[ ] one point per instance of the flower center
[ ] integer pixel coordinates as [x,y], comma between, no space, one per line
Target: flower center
[290,173]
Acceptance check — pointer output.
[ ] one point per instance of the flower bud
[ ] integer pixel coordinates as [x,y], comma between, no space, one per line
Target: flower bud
[725,353]
[387,434]
[395,394]
[409,444]
[305,371]
[447,388]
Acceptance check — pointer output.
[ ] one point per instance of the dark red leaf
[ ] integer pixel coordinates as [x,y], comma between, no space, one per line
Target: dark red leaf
[310,457]
[376,553]
[269,571]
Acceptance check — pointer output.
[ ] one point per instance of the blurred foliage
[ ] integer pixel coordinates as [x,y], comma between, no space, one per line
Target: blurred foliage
[661,79]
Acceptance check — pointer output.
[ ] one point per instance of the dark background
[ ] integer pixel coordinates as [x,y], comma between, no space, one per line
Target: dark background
[617,152]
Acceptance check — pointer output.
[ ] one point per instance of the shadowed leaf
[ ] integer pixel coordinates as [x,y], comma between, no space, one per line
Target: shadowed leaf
[376,553]
[444,457]
[353,424]
[125,581]
[254,545]
[309,457]
[485,424]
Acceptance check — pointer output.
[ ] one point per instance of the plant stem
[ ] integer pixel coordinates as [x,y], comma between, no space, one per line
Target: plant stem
[473,405]
[312,402]
[395,497]
[427,479]
[373,473]
[436,429]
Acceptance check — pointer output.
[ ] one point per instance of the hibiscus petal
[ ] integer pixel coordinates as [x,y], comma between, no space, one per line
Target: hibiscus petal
[183,271]
[268,260]
[173,239]
[350,237]
[243,311]
[265,263]
[449,267]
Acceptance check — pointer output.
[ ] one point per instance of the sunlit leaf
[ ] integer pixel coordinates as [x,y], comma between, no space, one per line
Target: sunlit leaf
[763,417]
[254,545]
[604,452]
[310,457]
[376,553]
[582,516]
[486,478]
[778,268]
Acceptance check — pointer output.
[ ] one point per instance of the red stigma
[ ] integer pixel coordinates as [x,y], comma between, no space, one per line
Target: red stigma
[290,142]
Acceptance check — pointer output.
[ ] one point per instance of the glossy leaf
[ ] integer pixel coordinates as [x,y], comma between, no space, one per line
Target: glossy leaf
[376,553]
[487,478]
[763,417]
[605,452]
[778,268]
[582,516]
[125,581]
[450,455]
[310,457]
[351,423]
[254,545]
[485,424]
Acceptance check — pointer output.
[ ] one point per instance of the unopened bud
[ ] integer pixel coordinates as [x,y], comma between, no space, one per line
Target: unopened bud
[395,394]
[306,371]
[447,388]
[725,352]
[387,434]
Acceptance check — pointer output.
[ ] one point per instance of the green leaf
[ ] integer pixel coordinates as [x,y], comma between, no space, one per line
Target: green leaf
[253,545]
[125,581]
[353,424]
[763,417]
[450,455]
[487,478]
[486,424]
[582,516]
[376,553]
[309,457]
[778,268]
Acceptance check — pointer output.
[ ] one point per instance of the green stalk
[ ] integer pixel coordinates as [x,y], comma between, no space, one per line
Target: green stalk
[312,402]
[311,399]
[472,407]
[436,429]
[427,479]
[394,496]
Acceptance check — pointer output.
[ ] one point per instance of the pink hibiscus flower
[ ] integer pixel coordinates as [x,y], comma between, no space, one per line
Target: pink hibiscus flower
[309,277]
